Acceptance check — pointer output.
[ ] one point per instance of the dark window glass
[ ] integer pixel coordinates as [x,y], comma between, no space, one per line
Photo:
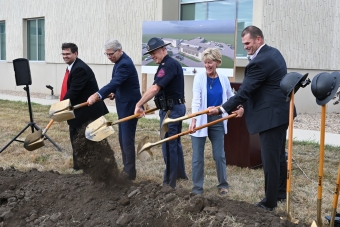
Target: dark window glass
[36,39]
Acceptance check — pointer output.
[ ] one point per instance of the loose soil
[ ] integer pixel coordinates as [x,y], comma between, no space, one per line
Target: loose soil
[101,196]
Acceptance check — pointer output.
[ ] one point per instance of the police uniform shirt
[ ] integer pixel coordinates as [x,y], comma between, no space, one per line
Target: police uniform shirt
[170,78]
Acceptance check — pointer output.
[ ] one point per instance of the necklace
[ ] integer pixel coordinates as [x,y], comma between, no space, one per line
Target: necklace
[212,81]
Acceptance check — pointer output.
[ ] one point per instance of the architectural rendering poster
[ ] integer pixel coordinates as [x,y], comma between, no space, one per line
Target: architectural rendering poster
[188,41]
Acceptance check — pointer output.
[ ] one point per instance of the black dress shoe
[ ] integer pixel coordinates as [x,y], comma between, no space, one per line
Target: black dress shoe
[282,200]
[263,206]
[182,178]
[126,176]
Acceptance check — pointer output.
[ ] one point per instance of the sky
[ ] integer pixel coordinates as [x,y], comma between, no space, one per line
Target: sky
[187,27]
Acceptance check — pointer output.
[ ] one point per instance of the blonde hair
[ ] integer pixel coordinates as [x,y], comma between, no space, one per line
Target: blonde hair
[212,54]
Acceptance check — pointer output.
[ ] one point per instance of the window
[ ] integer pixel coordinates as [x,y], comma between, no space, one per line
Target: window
[220,10]
[2,41]
[36,39]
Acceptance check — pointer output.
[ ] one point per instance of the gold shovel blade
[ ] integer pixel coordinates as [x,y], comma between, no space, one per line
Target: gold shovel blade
[98,130]
[34,141]
[63,115]
[164,126]
[35,145]
[60,106]
[61,111]
[144,155]
[142,143]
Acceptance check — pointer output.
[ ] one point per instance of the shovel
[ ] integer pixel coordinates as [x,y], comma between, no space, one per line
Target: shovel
[335,199]
[63,111]
[36,139]
[101,128]
[318,222]
[290,154]
[143,156]
[167,120]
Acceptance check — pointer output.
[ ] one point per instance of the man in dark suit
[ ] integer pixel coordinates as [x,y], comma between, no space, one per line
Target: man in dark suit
[79,82]
[266,111]
[124,87]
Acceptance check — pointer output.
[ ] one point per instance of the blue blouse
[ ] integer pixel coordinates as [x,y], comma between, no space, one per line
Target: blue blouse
[214,92]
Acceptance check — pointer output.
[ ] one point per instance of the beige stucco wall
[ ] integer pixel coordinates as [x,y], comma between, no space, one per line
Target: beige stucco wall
[305,31]
[88,24]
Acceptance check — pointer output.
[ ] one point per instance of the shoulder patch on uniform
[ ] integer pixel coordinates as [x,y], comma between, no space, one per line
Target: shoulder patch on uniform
[161,73]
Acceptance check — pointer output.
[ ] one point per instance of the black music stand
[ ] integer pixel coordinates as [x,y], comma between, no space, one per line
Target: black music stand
[23,77]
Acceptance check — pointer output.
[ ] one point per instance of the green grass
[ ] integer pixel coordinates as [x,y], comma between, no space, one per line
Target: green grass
[227,63]
[245,184]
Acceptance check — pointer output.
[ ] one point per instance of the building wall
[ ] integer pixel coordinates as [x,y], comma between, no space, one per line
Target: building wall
[307,36]
[88,24]
[305,31]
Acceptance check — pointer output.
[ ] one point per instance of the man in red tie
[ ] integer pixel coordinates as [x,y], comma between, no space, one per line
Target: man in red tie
[64,85]
[78,84]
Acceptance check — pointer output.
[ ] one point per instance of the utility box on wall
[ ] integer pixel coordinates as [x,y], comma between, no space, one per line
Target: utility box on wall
[241,148]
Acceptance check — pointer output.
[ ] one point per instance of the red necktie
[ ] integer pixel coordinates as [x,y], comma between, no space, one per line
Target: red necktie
[64,86]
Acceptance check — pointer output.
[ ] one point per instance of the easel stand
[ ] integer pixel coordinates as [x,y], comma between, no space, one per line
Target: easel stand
[31,124]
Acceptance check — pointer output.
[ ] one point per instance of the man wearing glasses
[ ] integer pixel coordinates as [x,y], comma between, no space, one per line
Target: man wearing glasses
[124,88]
[79,82]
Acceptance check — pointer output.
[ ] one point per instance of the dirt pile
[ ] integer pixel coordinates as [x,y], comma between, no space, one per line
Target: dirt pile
[96,159]
[102,197]
[50,199]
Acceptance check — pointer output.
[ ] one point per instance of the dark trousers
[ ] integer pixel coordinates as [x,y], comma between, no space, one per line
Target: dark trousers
[172,150]
[127,132]
[274,163]
[74,131]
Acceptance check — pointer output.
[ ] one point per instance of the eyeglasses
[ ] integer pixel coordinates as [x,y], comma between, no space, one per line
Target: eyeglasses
[65,54]
[110,54]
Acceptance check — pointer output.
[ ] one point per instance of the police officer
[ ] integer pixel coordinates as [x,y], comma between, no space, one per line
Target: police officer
[168,90]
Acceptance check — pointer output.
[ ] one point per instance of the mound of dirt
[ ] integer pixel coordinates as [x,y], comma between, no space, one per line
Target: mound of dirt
[50,199]
[103,197]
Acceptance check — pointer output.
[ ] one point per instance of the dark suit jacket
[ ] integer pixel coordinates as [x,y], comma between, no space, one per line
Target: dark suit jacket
[264,103]
[125,85]
[81,85]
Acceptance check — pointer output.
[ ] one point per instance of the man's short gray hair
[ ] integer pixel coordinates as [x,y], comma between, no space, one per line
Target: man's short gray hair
[113,44]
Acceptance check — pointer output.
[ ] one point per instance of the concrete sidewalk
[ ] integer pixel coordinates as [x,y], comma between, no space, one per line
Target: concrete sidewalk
[298,134]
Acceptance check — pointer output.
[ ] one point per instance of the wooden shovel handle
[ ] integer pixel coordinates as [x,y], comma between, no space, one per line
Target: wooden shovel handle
[322,151]
[290,143]
[321,162]
[133,116]
[48,126]
[80,105]
[200,112]
[335,199]
[336,190]
[202,126]
[192,115]
[151,110]
[187,132]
